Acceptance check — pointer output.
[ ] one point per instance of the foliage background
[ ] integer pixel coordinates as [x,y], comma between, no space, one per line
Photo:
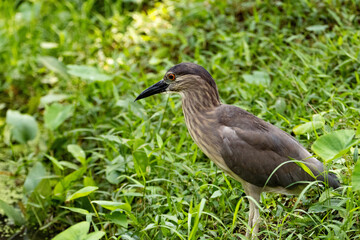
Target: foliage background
[71,70]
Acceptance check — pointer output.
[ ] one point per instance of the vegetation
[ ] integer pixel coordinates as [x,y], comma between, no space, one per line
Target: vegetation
[77,152]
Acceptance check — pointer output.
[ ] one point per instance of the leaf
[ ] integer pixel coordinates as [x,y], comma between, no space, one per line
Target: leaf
[257,78]
[216,194]
[114,171]
[54,65]
[317,28]
[112,138]
[356,177]
[149,226]
[69,165]
[65,183]
[77,210]
[35,175]
[51,97]
[117,218]
[110,205]
[280,105]
[159,140]
[77,152]
[49,45]
[197,218]
[305,168]
[356,154]
[55,161]
[88,73]
[325,206]
[316,123]
[95,235]
[44,190]
[23,127]
[68,179]
[77,232]
[141,162]
[335,144]
[12,213]
[123,103]
[82,192]
[56,114]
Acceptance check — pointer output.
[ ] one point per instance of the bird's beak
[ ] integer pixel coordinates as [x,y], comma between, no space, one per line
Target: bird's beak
[158,87]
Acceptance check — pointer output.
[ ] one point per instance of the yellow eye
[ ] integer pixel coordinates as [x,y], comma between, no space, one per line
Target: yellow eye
[171,76]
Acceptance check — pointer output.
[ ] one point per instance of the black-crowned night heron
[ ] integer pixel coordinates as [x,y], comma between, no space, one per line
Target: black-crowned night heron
[256,153]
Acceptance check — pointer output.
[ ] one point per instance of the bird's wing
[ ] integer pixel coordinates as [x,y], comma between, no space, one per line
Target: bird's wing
[254,149]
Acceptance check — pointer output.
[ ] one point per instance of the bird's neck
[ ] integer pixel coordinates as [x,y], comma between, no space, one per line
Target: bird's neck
[200,99]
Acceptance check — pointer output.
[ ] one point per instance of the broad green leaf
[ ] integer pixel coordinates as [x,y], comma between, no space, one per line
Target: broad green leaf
[76,232]
[77,152]
[51,97]
[35,175]
[280,105]
[23,127]
[150,226]
[64,184]
[356,177]
[115,171]
[82,193]
[77,210]
[159,140]
[118,218]
[257,78]
[68,179]
[54,65]
[95,235]
[316,123]
[112,138]
[88,73]
[12,213]
[69,165]
[43,189]
[114,205]
[58,191]
[123,103]
[319,207]
[27,12]
[335,144]
[141,161]
[56,114]
[49,45]
[317,28]
[55,161]
[216,194]
[137,143]
[89,181]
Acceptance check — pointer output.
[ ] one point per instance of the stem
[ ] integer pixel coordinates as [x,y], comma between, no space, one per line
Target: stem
[98,217]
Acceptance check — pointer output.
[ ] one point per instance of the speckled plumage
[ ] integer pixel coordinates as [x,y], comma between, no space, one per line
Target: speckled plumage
[247,148]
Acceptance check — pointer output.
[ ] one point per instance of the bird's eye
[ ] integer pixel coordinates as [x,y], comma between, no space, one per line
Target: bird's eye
[171,76]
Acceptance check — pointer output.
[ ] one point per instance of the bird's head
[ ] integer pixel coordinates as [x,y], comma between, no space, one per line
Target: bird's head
[182,78]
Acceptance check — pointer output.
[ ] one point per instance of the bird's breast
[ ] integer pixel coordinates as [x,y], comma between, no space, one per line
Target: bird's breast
[204,130]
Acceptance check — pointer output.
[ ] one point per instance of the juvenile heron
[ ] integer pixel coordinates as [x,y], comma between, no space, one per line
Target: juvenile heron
[254,152]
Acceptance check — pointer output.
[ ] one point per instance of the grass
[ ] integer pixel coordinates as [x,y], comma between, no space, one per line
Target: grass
[284,61]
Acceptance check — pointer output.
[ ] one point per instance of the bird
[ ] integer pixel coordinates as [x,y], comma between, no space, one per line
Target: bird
[261,156]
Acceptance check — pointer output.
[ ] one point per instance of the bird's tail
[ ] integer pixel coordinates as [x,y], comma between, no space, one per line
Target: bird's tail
[330,179]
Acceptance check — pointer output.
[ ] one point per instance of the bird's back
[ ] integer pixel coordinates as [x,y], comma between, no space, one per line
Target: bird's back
[262,154]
